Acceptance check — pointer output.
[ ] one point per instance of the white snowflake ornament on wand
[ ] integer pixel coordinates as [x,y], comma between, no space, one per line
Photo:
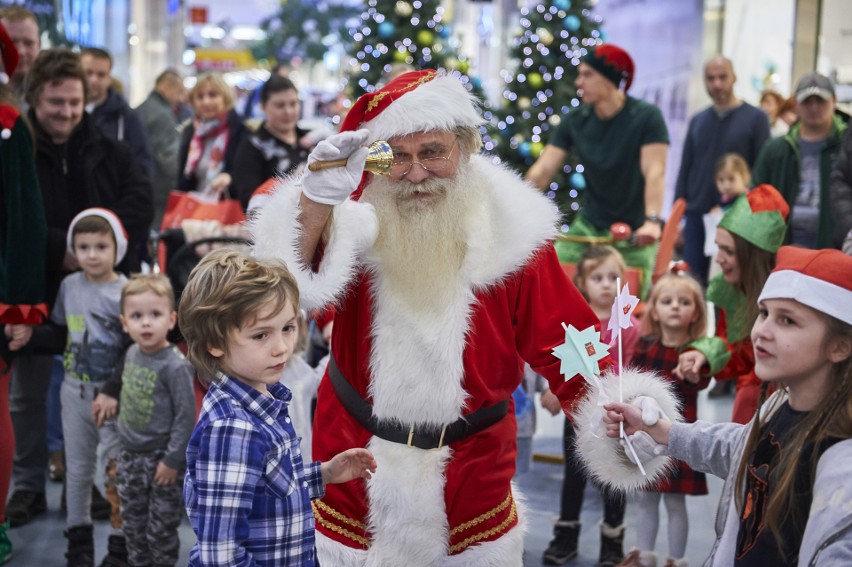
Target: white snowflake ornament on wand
[622,310]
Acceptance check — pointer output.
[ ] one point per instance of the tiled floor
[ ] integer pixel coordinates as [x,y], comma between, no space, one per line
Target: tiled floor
[41,544]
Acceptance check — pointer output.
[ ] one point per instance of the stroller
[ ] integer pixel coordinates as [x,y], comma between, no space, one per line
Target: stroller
[175,255]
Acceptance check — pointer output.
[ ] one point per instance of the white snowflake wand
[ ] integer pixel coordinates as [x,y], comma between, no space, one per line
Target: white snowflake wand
[580,354]
[620,318]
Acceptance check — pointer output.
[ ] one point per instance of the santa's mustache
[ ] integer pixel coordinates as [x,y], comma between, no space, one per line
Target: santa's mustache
[406,189]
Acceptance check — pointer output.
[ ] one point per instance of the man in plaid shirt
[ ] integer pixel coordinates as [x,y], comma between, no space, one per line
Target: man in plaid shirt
[247,491]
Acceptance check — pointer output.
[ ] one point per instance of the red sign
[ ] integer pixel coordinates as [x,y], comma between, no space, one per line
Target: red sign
[198,14]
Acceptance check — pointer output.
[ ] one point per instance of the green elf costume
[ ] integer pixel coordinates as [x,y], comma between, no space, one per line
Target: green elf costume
[23,235]
[760,218]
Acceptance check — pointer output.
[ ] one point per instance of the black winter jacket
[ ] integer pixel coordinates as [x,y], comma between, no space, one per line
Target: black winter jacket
[117,121]
[89,170]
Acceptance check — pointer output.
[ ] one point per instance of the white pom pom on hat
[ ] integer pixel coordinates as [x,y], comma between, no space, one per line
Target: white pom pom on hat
[114,223]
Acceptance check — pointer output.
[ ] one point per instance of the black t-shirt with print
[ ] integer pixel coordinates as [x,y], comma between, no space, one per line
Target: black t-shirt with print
[756,546]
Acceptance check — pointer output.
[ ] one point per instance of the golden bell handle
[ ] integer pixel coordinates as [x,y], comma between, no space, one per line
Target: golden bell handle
[379,160]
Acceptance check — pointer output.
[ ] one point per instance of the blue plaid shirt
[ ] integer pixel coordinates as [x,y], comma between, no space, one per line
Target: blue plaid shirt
[246,491]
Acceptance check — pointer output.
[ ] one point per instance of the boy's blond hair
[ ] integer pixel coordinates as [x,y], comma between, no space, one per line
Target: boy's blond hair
[157,284]
[226,291]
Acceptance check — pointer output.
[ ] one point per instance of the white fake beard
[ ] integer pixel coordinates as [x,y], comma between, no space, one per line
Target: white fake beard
[421,245]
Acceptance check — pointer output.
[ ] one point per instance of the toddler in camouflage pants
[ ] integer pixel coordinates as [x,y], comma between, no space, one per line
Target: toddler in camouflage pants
[156,414]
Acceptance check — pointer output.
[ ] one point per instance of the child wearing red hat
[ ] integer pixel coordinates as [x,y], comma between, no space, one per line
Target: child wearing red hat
[787,473]
[85,324]
[747,238]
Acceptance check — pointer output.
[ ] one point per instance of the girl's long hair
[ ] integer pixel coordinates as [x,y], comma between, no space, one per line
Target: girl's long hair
[830,419]
[754,264]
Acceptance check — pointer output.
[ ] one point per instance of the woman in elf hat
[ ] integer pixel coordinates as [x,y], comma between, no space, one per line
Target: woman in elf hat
[747,237]
[21,257]
[788,474]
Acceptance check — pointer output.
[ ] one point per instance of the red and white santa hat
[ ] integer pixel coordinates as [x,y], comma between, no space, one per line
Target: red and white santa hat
[262,194]
[819,279]
[114,223]
[417,101]
[10,55]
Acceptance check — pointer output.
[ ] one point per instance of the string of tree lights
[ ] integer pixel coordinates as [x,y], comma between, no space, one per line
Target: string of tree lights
[398,35]
[304,30]
[554,34]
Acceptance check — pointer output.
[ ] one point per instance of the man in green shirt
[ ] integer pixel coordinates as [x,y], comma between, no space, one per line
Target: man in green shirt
[622,143]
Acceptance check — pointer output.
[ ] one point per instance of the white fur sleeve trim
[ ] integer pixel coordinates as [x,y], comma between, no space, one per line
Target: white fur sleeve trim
[605,458]
[276,232]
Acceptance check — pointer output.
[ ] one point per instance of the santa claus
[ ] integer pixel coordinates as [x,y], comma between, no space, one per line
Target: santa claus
[444,281]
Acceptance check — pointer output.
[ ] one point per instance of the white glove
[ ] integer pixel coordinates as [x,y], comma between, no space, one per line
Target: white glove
[332,186]
[646,448]
[651,410]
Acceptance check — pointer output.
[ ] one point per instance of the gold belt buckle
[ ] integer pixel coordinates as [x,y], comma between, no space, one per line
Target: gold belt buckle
[440,441]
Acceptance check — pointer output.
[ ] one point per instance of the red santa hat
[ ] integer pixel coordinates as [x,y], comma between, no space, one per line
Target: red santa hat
[114,223]
[262,194]
[10,55]
[613,63]
[417,101]
[819,279]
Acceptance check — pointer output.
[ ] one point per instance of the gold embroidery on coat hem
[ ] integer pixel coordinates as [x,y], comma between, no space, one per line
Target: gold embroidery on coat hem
[467,542]
[317,505]
[479,519]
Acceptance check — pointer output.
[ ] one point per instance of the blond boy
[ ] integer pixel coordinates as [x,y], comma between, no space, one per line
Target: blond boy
[246,490]
[157,413]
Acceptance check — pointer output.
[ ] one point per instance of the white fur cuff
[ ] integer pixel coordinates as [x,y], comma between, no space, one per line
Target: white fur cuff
[276,233]
[605,458]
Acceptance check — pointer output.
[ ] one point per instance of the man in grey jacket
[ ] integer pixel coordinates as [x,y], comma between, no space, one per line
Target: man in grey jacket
[160,120]
[110,112]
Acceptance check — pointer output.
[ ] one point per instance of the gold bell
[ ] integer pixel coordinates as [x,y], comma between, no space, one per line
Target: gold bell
[379,160]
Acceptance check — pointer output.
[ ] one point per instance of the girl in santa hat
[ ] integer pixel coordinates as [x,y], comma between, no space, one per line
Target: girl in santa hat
[748,236]
[787,473]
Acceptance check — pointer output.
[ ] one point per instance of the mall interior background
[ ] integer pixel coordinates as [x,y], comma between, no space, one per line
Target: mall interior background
[772,42]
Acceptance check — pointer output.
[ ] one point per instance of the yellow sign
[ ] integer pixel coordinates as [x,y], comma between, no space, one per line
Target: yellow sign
[223,59]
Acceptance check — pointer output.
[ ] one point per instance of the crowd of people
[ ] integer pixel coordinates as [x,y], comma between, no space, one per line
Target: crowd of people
[437,292]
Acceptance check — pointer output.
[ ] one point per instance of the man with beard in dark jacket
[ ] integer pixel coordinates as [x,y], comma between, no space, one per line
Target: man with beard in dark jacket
[110,111]
[77,167]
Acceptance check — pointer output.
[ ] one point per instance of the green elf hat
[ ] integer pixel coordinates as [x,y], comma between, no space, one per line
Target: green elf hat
[760,217]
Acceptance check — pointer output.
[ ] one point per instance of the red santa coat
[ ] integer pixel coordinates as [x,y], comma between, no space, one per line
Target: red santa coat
[427,507]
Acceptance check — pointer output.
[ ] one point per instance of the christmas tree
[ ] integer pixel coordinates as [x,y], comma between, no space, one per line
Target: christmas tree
[304,29]
[399,35]
[554,34]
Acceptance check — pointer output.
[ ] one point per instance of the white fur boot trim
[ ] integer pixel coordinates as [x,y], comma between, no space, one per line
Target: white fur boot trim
[604,458]
[639,558]
[672,562]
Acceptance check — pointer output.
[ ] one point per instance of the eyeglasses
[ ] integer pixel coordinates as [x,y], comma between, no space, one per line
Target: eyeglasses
[434,165]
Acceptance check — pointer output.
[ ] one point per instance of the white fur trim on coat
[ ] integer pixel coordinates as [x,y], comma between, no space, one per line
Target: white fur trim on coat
[276,232]
[440,104]
[604,458]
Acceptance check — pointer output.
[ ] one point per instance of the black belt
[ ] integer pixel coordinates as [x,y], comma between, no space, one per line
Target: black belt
[420,436]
